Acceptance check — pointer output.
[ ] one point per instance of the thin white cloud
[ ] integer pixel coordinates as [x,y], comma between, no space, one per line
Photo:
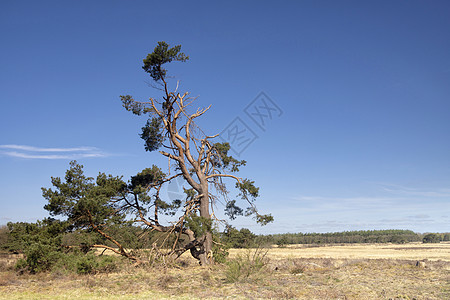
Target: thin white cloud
[332,224]
[376,224]
[408,191]
[31,152]
[384,206]
[40,149]
[419,216]
[340,203]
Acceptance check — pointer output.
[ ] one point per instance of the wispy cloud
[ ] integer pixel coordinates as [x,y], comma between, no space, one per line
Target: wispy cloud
[411,223]
[419,216]
[341,203]
[31,152]
[397,197]
[409,191]
[40,149]
[335,223]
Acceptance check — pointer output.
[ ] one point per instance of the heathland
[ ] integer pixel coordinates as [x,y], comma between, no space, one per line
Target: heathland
[339,271]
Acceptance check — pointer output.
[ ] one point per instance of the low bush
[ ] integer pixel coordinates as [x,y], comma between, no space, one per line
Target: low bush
[243,267]
[90,264]
[37,259]
[432,238]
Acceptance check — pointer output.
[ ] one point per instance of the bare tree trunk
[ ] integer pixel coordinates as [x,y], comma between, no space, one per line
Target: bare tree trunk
[206,258]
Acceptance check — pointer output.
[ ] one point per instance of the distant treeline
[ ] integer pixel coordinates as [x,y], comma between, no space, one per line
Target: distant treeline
[360,236]
[245,238]
[17,237]
[51,244]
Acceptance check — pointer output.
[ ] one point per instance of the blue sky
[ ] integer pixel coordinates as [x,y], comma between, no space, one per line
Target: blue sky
[358,137]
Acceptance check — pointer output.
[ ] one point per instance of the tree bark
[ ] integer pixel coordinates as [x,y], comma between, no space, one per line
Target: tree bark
[206,257]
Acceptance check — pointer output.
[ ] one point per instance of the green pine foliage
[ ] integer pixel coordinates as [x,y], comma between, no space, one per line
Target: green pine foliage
[432,238]
[161,55]
[361,236]
[43,247]
[244,238]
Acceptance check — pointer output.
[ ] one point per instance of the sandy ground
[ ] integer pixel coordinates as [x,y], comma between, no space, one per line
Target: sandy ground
[358,271]
[411,251]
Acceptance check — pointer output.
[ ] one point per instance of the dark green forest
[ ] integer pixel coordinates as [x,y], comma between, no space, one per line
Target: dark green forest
[51,243]
[19,237]
[244,237]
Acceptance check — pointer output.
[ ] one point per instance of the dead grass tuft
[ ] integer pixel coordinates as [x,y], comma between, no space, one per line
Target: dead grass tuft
[166,280]
[8,261]
[7,278]
[286,277]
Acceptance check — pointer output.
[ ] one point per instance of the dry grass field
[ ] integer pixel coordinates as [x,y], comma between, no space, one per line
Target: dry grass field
[411,251]
[381,271]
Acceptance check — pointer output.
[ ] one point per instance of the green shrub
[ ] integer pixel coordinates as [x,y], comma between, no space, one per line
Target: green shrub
[86,265]
[432,238]
[107,263]
[234,238]
[220,254]
[398,239]
[40,257]
[242,268]
[81,263]
[446,237]
[282,242]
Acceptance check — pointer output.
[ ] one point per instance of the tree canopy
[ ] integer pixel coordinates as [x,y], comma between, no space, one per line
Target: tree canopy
[205,168]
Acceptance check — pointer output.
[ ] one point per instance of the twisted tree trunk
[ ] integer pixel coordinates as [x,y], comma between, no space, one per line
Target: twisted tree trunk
[206,257]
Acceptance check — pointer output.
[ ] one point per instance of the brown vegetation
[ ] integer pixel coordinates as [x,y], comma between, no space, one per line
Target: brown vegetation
[411,251]
[344,274]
